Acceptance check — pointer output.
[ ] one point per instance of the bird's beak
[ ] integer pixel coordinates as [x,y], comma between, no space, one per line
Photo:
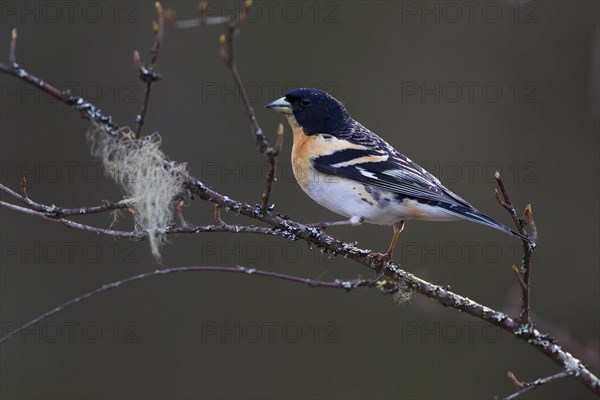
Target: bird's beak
[281,105]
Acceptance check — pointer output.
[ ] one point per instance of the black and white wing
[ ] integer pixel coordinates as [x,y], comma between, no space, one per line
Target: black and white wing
[375,162]
[372,161]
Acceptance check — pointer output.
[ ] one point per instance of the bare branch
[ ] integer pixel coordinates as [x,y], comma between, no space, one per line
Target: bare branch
[227,53]
[75,225]
[54,211]
[228,56]
[149,74]
[336,284]
[226,50]
[524,274]
[272,169]
[506,203]
[527,386]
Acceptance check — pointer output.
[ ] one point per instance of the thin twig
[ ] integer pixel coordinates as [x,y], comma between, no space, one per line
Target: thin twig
[143,234]
[524,274]
[228,55]
[227,52]
[273,156]
[336,284]
[527,386]
[54,211]
[149,74]
[75,225]
[506,203]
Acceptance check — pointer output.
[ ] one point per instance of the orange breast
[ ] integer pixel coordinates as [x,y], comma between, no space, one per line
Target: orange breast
[306,148]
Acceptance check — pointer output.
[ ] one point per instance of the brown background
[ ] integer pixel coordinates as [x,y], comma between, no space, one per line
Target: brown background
[146,340]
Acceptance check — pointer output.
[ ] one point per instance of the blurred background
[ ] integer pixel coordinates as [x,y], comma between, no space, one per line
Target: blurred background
[461,87]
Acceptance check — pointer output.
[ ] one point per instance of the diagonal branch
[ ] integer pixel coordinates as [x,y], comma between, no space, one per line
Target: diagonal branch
[336,284]
[527,386]
[226,48]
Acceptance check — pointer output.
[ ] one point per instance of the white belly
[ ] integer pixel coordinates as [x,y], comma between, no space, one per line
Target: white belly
[375,206]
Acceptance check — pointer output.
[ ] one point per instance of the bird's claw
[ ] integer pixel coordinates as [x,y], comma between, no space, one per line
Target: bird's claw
[382,259]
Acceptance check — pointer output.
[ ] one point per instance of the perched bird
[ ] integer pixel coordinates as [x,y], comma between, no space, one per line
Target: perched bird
[348,169]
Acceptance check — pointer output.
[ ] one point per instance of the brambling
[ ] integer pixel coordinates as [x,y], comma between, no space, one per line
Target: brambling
[348,169]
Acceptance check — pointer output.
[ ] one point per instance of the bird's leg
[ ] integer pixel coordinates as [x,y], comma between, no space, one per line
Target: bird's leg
[398,227]
[351,221]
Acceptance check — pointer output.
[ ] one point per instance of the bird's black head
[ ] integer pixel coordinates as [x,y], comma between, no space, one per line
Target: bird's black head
[314,110]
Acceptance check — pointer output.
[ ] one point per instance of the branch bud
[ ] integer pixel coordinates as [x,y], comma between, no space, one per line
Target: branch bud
[202,7]
[137,60]
[514,380]
[170,18]
[13,47]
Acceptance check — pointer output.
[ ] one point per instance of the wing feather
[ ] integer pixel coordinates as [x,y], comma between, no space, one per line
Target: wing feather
[380,165]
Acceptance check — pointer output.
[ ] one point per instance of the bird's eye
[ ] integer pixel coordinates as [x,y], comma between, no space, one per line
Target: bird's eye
[305,102]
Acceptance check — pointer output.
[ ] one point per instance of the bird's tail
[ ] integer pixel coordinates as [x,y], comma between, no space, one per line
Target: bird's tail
[476,216]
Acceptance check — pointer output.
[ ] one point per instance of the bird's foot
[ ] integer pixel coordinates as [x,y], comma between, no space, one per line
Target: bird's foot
[382,259]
